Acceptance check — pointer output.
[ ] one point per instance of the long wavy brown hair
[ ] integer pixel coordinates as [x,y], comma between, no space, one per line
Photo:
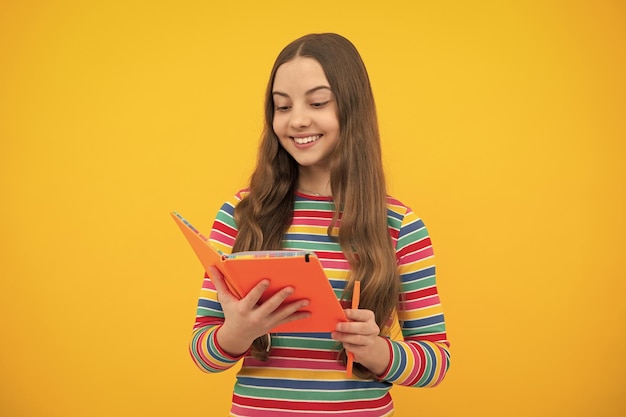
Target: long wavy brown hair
[357,181]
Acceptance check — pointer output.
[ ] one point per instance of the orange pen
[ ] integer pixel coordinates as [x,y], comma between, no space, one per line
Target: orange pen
[356,294]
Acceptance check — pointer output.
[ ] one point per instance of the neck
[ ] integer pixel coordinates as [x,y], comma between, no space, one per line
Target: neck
[316,182]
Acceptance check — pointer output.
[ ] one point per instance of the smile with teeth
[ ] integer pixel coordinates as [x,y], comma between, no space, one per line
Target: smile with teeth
[308,139]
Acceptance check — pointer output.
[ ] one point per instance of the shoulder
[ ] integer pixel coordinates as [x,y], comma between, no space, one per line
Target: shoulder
[241,194]
[398,212]
[224,231]
[227,211]
[401,218]
[396,207]
[230,204]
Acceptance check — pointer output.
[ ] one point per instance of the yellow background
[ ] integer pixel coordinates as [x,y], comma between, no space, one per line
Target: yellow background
[503,126]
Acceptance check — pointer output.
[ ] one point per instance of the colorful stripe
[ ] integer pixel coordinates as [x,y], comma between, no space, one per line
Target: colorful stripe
[302,376]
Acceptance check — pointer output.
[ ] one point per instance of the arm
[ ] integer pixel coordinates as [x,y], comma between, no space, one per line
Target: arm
[224,330]
[218,343]
[423,358]
[203,346]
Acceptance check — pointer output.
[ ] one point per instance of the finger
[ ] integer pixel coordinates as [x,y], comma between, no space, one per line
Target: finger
[352,341]
[291,312]
[359,314]
[252,298]
[298,315]
[275,301]
[350,347]
[366,328]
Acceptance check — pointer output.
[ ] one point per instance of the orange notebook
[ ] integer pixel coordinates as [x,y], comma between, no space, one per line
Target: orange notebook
[301,270]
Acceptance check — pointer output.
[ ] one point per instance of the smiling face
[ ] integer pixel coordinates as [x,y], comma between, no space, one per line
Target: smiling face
[305,113]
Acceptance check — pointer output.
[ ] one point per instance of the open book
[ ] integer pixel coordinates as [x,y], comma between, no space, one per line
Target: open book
[301,270]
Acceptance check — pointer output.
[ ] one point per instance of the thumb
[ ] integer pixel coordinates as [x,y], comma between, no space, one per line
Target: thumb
[223,292]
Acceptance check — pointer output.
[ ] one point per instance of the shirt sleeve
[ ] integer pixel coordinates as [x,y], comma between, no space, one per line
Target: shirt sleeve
[203,347]
[423,357]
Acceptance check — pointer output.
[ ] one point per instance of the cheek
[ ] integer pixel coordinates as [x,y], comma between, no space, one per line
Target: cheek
[278,125]
[279,130]
[332,124]
[331,120]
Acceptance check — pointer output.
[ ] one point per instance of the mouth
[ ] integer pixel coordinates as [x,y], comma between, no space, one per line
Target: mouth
[306,139]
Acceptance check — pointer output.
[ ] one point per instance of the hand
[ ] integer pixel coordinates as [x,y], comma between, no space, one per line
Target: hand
[360,336]
[245,319]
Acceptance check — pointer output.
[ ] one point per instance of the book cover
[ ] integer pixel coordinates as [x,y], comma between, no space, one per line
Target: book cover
[301,270]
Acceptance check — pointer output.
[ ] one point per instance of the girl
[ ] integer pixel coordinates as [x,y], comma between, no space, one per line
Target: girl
[319,185]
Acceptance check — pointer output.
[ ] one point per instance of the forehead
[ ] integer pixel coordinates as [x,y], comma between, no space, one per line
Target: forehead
[299,75]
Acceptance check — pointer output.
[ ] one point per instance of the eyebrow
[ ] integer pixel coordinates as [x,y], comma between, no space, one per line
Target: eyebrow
[311,91]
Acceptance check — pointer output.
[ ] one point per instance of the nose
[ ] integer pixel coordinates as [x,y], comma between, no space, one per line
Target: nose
[299,117]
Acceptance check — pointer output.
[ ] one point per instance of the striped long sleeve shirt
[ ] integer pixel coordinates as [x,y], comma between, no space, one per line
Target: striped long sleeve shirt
[302,376]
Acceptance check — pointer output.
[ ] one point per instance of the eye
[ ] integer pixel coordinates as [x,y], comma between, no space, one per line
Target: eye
[281,108]
[319,105]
